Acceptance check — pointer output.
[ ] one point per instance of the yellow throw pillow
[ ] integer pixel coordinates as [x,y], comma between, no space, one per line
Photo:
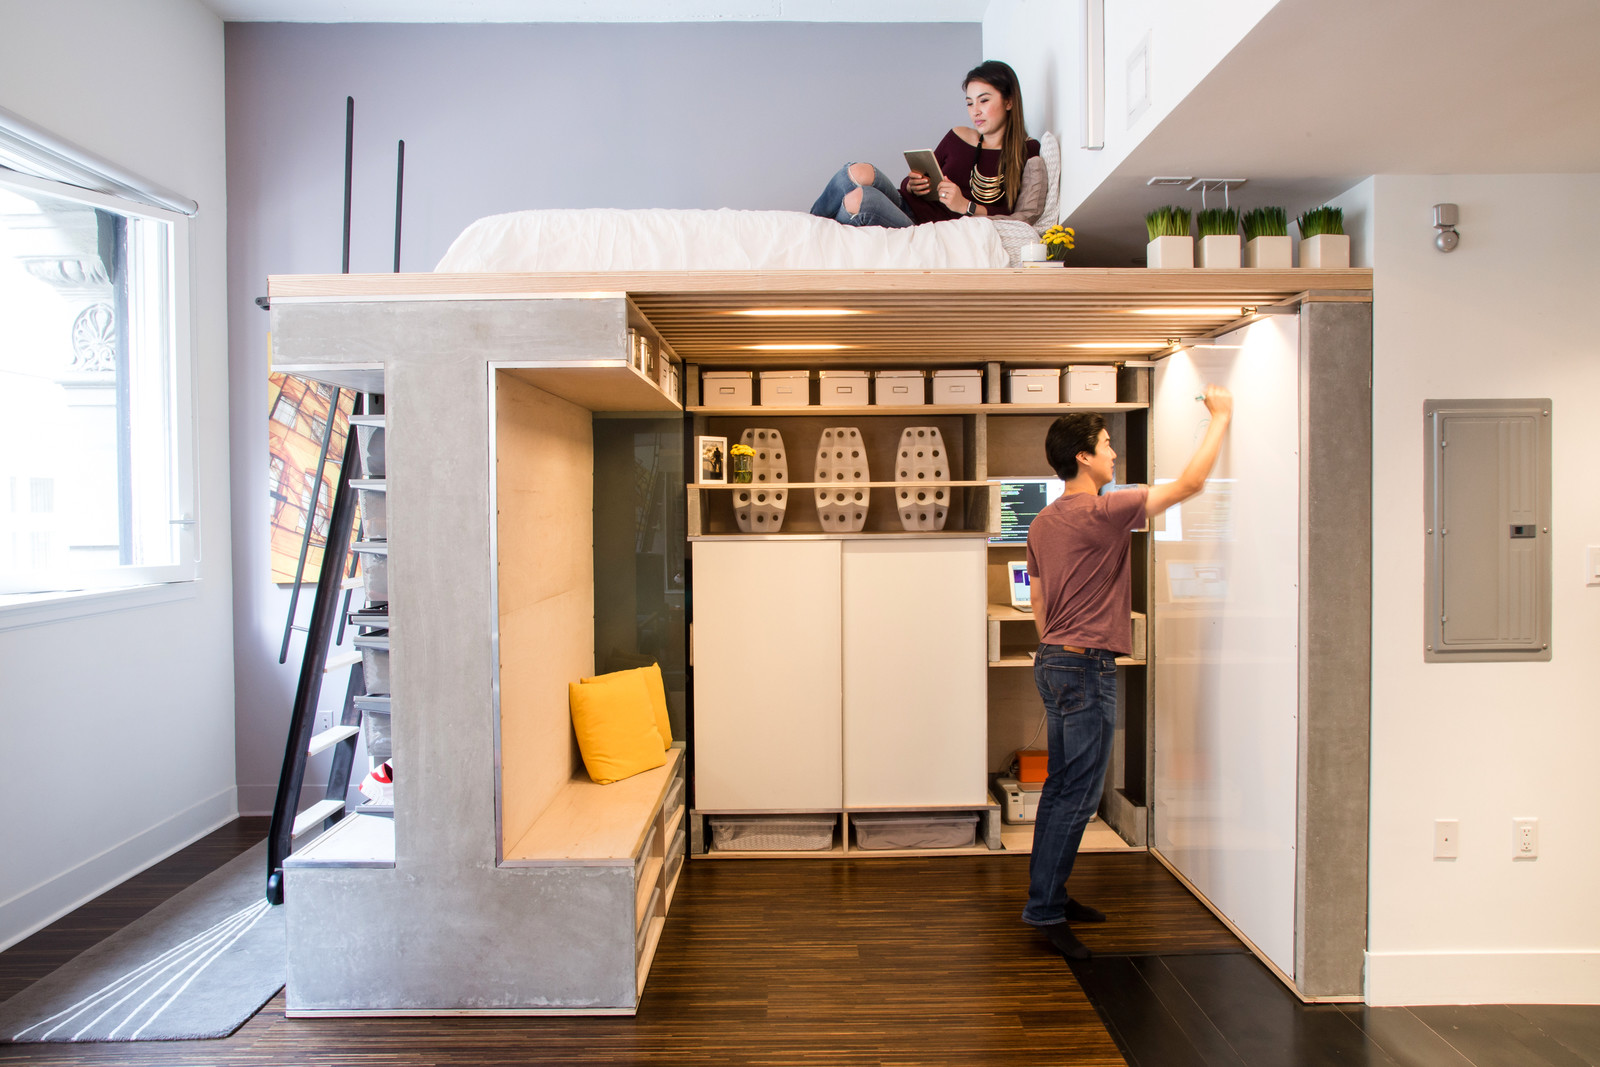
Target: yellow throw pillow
[657,689]
[615,727]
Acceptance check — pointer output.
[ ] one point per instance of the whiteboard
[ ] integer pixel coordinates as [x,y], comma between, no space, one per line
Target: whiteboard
[1225,621]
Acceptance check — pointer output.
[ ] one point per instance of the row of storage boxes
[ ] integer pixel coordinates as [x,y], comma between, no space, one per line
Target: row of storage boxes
[1089,384]
[651,360]
[815,832]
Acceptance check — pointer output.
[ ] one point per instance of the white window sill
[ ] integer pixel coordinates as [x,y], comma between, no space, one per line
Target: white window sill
[21,610]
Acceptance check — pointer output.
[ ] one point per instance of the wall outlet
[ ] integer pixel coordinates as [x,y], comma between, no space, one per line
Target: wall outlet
[1446,838]
[1524,839]
[323,721]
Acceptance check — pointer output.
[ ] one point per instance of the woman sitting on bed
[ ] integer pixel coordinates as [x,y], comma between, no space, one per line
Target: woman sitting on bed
[990,169]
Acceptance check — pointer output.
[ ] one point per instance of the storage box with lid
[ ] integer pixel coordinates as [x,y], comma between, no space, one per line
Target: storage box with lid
[1035,385]
[773,833]
[958,386]
[725,389]
[898,388]
[922,829]
[783,389]
[839,388]
[1089,384]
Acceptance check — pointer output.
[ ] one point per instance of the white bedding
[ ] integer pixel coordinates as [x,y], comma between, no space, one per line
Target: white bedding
[600,239]
[725,239]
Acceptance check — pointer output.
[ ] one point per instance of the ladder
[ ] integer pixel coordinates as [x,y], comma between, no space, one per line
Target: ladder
[325,631]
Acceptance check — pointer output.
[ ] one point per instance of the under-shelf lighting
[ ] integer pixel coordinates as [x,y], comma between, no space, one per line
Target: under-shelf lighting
[797,313]
[1231,309]
[1140,345]
[796,348]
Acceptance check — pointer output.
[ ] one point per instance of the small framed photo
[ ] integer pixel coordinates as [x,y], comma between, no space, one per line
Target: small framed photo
[713,453]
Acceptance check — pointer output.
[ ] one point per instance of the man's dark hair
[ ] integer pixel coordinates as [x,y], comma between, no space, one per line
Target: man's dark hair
[1069,435]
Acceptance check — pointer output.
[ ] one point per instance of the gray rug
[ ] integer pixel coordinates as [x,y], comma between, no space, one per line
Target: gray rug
[196,966]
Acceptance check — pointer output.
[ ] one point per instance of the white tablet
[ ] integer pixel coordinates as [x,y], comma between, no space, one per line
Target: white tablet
[1021,592]
[922,160]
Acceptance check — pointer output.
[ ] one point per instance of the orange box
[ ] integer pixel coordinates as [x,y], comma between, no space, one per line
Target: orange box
[1032,764]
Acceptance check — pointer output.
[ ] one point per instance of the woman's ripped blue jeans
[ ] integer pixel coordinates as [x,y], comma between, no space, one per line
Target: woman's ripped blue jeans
[880,202]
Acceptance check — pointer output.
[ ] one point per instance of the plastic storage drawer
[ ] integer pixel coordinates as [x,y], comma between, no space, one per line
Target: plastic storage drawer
[920,830]
[773,833]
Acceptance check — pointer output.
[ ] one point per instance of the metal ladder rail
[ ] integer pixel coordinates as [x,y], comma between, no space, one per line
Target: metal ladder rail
[324,611]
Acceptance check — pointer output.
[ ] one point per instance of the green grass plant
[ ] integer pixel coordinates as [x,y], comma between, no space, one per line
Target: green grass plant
[1218,222]
[1265,222]
[1321,220]
[1167,221]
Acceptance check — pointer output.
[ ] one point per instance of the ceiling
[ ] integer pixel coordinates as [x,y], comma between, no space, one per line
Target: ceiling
[1384,87]
[599,10]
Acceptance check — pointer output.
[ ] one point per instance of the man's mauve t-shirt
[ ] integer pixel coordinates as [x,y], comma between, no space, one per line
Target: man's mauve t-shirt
[1078,557]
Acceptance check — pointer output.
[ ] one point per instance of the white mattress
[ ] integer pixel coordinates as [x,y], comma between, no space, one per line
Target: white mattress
[604,239]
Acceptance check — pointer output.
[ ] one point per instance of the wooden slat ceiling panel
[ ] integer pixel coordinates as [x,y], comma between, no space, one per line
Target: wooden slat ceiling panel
[921,317]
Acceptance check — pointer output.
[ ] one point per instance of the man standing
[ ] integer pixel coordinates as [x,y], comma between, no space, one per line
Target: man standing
[1078,565]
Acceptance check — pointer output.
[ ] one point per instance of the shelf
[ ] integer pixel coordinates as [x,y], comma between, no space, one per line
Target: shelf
[597,385]
[837,485]
[865,535]
[600,825]
[355,841]
[1025,660]
[1007,613]
[912,411]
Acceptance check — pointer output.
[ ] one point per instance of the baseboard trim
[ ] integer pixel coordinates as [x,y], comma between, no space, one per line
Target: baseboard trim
[1399,979]
[33,909]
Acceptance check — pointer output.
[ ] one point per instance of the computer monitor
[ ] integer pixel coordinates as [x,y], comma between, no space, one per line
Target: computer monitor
[1019,501]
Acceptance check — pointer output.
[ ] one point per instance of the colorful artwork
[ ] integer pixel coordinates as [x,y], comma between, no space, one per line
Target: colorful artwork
[297,420]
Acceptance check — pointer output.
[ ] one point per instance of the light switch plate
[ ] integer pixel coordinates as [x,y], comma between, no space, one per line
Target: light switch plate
[1591,565]
[1446,838]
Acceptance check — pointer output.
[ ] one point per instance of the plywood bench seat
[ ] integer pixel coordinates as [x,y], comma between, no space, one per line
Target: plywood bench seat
[596,825]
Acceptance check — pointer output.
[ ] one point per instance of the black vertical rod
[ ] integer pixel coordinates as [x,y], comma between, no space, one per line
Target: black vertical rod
[280,837]
[349,171]
[399,198]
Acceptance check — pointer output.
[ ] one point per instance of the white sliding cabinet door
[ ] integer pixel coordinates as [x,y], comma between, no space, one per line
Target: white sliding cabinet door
[1226,634]
[766,675]
[915,673]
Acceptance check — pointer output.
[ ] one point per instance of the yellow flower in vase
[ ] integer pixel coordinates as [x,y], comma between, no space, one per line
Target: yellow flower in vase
[741,460]
[1058,241]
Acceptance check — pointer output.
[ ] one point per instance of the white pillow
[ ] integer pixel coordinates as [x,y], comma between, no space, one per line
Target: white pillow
[1050,152]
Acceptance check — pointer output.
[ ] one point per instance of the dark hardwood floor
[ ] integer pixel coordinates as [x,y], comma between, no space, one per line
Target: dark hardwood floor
[866,962]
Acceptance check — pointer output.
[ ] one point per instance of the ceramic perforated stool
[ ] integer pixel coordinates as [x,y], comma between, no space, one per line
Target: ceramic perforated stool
[842,493]
[759,506]
[922,466]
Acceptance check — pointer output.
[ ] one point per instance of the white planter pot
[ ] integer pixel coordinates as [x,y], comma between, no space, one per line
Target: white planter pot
[1325,251]
[1270,253]
[1219,251]
[1170,252]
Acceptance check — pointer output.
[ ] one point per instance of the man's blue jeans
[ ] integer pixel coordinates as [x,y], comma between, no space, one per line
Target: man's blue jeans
[1080,699]
[880,202]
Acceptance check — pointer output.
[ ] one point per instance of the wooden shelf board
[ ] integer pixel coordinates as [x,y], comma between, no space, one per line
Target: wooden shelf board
[913,411]
[595,824]
[652,939]
[836,485]
[603,385]
[1027,661]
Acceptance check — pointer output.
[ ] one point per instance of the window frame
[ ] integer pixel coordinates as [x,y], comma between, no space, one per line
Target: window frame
[27,588]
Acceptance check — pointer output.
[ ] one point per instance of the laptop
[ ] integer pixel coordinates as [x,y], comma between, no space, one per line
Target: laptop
[1021,597]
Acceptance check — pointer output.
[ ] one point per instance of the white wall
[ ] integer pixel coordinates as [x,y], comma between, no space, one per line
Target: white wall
[116,731]
[1042,40]
[1506,315]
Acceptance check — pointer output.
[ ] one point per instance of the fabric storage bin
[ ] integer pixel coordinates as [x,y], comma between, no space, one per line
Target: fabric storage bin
[916,830]
[374,508]
[839,387]
[1089,385]
[376,724]
[899,388]
[957,387]
[773,833]
[369,442]
[374,570]
[784,389]
[726,389]
[1035,385]
[374,663]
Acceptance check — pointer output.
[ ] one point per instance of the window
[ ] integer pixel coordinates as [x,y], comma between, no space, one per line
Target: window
[96,421]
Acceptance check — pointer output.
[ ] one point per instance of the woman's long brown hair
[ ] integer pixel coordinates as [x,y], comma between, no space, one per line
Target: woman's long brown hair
[1014,149]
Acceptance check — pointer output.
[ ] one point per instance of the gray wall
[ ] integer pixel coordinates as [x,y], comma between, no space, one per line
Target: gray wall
[500,118]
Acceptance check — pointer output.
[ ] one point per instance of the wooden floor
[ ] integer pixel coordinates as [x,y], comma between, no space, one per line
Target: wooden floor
[858,962]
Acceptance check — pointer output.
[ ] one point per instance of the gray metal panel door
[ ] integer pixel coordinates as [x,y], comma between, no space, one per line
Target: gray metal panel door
[1488,529]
